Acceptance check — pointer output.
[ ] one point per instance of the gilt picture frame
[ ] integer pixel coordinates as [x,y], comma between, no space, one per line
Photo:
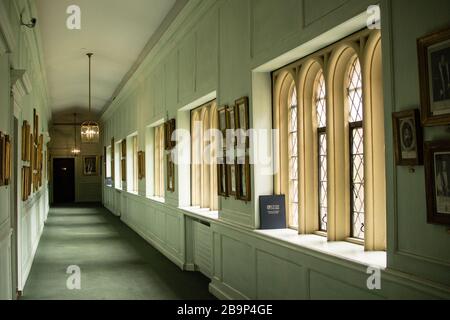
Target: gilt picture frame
[434,63]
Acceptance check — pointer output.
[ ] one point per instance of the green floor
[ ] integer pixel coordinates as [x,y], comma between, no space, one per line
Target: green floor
[115,262]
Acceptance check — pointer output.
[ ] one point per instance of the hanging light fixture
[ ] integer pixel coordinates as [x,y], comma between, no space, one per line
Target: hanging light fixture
[75,150]
[90,130]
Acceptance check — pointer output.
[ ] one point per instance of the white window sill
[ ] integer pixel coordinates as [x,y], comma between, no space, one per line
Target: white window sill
[344,250]
[133,193]
[157,199]
[204,213]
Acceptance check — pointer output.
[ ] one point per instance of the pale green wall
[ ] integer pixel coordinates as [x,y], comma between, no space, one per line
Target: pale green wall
[24,54]
[221,42]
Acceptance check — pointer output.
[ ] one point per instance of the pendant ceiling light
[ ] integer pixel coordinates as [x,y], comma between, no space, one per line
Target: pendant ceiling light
[90,130]
[75,150]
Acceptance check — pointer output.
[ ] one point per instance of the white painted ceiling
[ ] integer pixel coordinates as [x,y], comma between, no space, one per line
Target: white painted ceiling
[116,31]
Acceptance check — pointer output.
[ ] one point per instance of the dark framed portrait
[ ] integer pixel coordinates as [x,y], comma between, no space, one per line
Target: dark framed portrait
[434,71]
[408,138]
[437,173]
[90,166]
[242,122]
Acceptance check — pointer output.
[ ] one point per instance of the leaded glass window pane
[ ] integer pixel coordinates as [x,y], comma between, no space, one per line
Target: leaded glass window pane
[293,159]
[321,106]
[321,112]
[355,101]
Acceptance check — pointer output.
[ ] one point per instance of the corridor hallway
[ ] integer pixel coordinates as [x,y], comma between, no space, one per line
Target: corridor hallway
[115,262]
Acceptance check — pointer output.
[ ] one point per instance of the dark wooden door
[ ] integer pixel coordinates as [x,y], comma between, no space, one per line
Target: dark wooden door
[63,180]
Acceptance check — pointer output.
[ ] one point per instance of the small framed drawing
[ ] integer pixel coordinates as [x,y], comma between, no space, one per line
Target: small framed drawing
[170,173]
[437,173]
[169,129]
[408,138]
[434,66]
[90,166]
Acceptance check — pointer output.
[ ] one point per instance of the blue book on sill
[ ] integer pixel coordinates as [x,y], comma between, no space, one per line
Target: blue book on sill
[272,212]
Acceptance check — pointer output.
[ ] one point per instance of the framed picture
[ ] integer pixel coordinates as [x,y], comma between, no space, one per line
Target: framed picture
[169,129]
[35,126]
[231,123]
[90,166]
[2,159]
[222,180]
[7,160]
[434,66]
[231,179]
[113,154]
[437,173]
[243,179]
[242,122]
[25,141]
[123,168]
[124,148]
[24,184]
[408,138]
[141,165]
[223,124]
[170,173]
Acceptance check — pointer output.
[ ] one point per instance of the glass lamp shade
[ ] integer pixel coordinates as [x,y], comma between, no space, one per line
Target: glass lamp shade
[90,132]
[76,151]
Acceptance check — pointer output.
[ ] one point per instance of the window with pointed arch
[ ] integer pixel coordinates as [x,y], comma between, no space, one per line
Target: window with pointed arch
[204,189]
[328,109]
